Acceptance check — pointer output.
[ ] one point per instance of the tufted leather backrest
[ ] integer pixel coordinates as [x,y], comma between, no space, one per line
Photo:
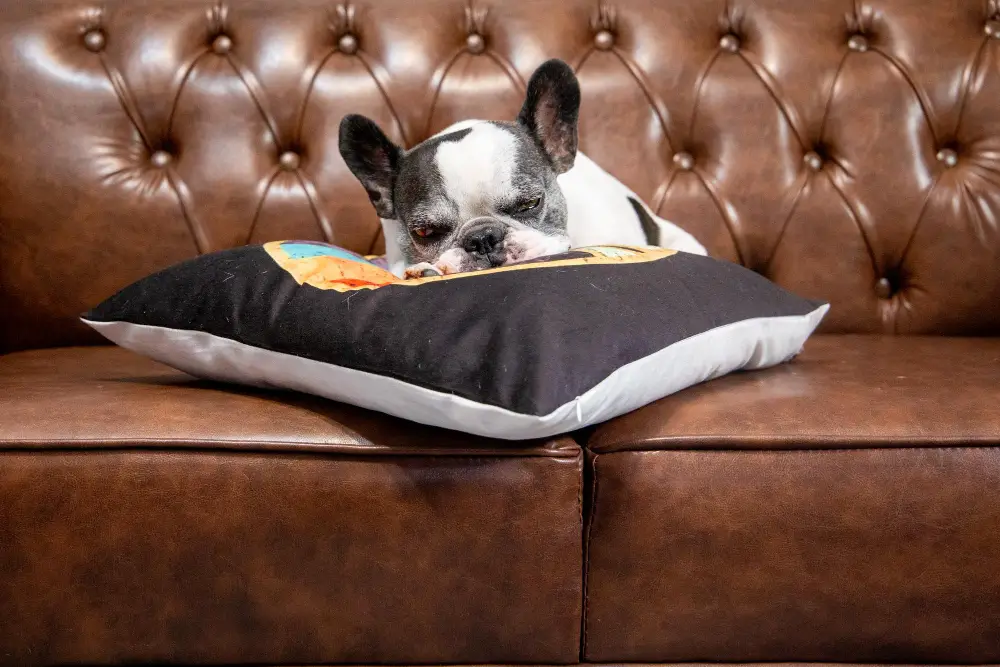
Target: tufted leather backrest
[847,150]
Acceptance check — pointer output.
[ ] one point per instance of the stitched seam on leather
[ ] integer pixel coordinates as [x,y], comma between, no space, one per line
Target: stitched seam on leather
[437,86]
[784,225]
[508,68]
[237,446]
[657,105]
[583,548]
[977,62]
[702,77]
[256,92]
[260,204]
[180,88]
[788,112]
[128,105]
[646,447]
[876,265]
[717,200]
[582,59]
[829,97]
[920,218]
[661,192]
[921,98]
[325,227]
[586,561]
[308,94]
[307,188]
[385,96]
[119,85]
[195,229]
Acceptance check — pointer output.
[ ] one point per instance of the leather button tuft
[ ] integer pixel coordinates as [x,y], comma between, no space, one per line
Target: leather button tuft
[160,159]
[289,160]
[992,28]
[347,44]
[813,160]
[684,160]
[222,45]
[94,40]
[948,157]
[729,43]
[475,43]
[883,288]
[858,43]
[604,40]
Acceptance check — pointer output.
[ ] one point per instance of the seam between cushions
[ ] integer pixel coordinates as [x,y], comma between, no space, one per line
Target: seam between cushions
[837,442]
[581,482]
[240,447]
[638,449]
[585,616]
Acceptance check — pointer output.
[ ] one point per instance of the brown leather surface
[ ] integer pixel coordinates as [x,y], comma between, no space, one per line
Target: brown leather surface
[842,391]
[847,152]
[164,556]
[106,397]
[884,555]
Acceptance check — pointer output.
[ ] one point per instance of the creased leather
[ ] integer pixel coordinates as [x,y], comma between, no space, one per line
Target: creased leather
[148,518]
[848,152]
[108,398]
[842,391]
[874,555]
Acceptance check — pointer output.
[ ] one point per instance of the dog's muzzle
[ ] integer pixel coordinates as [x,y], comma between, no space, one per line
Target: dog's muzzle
[483,240]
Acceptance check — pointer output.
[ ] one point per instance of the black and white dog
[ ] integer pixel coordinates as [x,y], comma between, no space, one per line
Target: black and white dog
[483,194]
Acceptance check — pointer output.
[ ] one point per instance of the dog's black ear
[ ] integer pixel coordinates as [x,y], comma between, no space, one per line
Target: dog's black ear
[550,112]
[373,159]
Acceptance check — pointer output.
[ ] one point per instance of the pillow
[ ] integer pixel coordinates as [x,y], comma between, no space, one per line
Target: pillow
[522,351]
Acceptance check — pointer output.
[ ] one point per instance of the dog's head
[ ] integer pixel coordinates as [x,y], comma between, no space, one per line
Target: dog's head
[481,195]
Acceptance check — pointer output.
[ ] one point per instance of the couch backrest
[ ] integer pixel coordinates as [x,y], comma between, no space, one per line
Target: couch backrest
[849,151]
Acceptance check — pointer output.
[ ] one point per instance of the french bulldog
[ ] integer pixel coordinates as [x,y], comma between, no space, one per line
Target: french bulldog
[484,194]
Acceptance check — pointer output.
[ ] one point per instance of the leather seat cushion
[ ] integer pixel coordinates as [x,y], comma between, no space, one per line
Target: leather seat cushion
[842,391]
[146,517]
[841,508]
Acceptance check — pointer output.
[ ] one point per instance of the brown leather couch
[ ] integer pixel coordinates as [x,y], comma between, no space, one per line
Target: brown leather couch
[843,508]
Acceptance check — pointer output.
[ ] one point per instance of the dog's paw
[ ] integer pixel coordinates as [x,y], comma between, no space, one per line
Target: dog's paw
[422,270]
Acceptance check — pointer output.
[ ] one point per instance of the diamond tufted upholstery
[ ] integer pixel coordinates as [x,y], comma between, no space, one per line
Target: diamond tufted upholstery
[841,508]
[847,150]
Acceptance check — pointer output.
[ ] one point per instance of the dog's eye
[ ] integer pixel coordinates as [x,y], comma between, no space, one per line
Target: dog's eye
[528,205]
[424,232]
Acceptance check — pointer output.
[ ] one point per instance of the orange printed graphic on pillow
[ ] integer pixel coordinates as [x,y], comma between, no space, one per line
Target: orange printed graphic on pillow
[605,254]
[327,267]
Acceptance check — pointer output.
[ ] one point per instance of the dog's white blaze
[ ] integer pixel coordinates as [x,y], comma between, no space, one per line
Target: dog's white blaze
[477,169]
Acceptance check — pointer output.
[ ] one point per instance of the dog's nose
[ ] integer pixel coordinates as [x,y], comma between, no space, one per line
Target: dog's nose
[484,239]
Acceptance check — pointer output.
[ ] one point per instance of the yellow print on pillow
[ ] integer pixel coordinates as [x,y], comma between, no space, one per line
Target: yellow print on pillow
[328,267]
